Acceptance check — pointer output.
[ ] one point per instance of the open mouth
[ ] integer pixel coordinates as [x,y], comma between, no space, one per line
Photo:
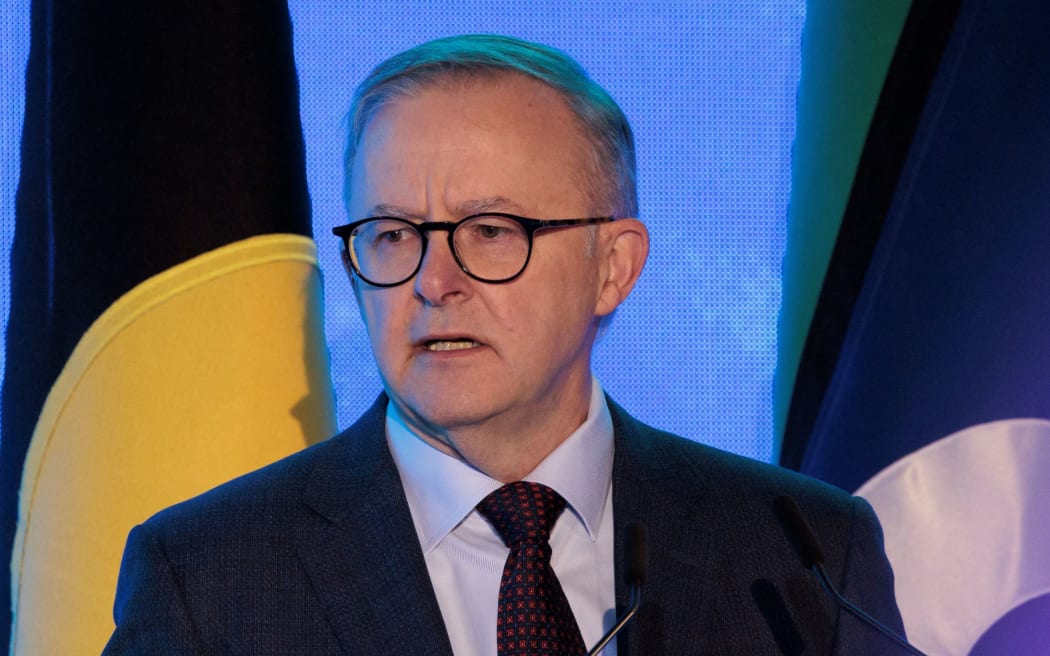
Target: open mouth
[450,344]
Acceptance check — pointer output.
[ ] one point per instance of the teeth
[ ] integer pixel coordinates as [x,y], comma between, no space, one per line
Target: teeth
[451,345]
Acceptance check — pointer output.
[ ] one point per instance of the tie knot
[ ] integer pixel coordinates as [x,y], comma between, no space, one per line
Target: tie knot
[522,512]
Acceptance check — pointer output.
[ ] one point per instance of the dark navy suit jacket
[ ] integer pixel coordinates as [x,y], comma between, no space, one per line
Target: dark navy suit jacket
[317,554]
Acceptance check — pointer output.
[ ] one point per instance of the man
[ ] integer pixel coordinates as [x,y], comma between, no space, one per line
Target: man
[490,190]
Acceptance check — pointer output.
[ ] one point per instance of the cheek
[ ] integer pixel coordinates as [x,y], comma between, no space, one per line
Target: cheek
[572,287]
[551,312]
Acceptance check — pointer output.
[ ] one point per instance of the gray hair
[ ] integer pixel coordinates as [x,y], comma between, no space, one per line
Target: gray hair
[612,177]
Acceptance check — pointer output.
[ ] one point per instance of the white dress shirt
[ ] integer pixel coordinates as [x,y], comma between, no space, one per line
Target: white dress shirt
[465,555]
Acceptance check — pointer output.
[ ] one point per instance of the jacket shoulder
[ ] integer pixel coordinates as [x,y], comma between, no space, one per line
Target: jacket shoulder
[700,468]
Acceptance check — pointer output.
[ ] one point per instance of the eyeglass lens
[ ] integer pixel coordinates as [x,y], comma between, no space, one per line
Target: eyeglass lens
[388,251]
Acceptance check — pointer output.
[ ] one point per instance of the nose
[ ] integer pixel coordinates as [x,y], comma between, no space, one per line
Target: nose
[440,280]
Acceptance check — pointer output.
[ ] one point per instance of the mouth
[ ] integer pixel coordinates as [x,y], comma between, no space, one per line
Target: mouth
[456,344]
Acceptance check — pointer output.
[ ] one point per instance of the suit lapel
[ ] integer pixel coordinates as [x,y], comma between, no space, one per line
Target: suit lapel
[359,546]
[649,486]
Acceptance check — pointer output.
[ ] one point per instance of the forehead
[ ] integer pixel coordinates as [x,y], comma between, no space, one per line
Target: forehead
[506,135]
[512,106]
[493,84]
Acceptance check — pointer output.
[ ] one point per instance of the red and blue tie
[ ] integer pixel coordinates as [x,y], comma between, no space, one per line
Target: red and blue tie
[534,617]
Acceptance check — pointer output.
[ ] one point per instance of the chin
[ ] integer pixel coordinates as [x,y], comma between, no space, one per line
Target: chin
[442,411]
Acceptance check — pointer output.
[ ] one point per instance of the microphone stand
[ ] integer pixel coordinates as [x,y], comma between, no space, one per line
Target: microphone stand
[632,608]
[861,615]
[636,550]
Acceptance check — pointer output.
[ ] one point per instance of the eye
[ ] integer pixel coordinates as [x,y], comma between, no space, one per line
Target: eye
[392,236]
[385,233]
[490,231]
[490,228]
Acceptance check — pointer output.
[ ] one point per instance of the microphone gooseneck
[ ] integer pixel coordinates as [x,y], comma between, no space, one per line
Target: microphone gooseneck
[805,540]
[636,561]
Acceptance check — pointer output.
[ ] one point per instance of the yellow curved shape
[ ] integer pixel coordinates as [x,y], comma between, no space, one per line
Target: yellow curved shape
[208,370]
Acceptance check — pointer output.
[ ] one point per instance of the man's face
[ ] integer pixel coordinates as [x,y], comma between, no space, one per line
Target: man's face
[455,353]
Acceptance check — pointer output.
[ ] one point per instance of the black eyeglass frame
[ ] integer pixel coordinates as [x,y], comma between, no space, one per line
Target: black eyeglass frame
[530,226]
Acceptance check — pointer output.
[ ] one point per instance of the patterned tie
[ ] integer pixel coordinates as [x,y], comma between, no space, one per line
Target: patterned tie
[534,617]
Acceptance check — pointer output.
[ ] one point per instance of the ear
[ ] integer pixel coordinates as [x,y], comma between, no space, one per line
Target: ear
[623,246]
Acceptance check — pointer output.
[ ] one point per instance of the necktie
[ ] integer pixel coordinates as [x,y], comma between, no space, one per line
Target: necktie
[534,617]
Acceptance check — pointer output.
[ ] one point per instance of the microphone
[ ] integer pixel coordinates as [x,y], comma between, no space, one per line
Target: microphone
[805,540]
[636,557]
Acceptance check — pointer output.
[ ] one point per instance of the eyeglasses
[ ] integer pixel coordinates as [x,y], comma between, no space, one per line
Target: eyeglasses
[492,247]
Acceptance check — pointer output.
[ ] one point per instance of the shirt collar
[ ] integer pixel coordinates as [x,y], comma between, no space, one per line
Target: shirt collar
[442,490]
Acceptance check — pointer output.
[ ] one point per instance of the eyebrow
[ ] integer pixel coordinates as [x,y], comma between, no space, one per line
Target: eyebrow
[465,208]
[383,209]
[491,204]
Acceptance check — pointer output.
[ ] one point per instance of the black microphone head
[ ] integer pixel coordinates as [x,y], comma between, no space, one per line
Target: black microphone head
[636,553]
[798,531]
